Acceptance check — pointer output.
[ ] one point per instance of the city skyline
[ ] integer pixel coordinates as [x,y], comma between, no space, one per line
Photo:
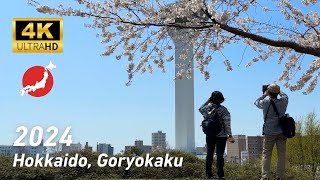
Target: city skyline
[244,148]
[168,145]
[238,146]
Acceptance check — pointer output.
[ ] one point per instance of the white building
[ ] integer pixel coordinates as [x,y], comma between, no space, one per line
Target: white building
[184,94]
[200,150]
[244,156]
[184,88]
[234,149]
[159,140]
[105,148]
[9,150]
[201,156]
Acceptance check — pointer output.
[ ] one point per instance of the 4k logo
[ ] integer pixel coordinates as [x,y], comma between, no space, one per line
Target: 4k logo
[37,35]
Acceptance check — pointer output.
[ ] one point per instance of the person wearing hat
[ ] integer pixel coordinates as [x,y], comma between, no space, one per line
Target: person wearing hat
[272,130]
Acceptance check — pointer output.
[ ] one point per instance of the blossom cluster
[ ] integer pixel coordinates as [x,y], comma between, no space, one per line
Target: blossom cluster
[145,31]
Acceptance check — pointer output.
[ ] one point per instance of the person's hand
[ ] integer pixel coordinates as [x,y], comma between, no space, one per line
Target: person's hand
[208,99]
[230,139]
[266,93]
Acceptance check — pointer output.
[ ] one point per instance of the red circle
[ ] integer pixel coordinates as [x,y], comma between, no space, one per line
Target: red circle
[36,74]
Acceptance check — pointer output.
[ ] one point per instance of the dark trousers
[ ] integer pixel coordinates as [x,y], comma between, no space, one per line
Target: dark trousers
[220,144]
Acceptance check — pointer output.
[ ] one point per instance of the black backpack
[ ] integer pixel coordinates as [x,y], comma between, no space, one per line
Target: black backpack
[212,125]
[288,125]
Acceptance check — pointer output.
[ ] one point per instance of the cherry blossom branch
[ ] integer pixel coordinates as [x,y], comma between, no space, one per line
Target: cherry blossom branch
[277,43]
[125,26]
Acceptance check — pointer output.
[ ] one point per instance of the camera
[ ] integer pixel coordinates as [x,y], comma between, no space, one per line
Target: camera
[265,88]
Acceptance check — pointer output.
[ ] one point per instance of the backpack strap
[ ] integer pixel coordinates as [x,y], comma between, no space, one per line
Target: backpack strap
[213,111]
[275,108]
[216,107]
[265,118]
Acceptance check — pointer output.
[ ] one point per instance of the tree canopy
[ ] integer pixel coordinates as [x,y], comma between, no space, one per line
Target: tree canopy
[286,30]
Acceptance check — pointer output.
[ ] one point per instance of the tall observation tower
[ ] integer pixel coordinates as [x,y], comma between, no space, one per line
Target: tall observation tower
[184,93]
[184,88]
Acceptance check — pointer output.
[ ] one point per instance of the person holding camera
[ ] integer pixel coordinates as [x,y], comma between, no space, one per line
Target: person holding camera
[272,129]
[218,141]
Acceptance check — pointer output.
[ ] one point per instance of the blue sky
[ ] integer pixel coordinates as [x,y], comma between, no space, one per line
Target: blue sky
[89,92]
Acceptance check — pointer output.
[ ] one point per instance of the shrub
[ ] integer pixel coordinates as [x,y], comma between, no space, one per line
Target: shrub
[192,168]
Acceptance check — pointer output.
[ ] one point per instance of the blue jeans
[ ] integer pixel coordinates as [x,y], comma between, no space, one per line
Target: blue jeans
[220,144]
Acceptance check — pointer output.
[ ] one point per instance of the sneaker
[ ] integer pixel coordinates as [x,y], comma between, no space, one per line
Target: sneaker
[221,178]
[279,179]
